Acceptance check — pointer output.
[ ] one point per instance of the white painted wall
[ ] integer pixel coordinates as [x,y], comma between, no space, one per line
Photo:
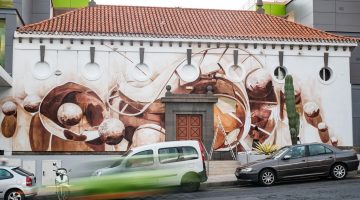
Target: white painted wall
[334,98]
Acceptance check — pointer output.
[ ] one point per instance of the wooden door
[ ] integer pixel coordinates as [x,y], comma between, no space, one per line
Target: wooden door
[189,127]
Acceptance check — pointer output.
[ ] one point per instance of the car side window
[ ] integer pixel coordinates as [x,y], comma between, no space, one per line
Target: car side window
[169,155]
[328,151]
[189,153]
[177,154]
[317,149]
[4,174]
[141,159]
[296,152]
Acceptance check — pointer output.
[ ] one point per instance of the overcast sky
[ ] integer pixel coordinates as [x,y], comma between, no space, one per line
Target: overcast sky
[214,4]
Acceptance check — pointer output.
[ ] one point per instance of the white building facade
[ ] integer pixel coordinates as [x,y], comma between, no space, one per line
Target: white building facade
[102,91]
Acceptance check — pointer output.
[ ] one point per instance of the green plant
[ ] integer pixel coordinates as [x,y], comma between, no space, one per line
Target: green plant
[266,149]
[293,116]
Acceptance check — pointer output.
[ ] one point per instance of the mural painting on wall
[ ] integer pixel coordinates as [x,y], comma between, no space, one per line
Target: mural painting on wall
[251,107]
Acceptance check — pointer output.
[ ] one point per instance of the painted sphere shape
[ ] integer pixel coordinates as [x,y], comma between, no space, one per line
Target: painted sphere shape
[9,108]
[148,134]
[32,103]
[111,131]
[69,114]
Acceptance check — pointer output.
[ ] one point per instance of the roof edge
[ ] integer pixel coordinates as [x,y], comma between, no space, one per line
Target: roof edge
[155,38]
[283,38]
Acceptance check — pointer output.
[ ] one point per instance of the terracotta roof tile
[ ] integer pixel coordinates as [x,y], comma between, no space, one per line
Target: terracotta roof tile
[178,23]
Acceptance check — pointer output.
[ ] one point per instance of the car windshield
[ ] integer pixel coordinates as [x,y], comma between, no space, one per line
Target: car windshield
[279,152]
[22,172]
[118,162]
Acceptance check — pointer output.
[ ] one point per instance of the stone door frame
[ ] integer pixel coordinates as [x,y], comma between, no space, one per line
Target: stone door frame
[201,104]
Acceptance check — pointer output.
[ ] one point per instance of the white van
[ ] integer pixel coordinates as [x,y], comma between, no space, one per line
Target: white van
[182,162]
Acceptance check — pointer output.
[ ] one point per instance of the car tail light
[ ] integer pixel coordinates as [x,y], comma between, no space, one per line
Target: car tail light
[202,151]
[28,181]
[203,157]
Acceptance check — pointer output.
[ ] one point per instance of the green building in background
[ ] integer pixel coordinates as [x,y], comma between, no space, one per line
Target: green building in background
[63,6]
[6,4]
[275,9]
[16,13]
[69,3]
[3,4]
[2,42]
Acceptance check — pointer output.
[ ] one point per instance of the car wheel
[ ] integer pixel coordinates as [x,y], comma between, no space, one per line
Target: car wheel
[338,171]
[190,183]
[14,195]
[267,177]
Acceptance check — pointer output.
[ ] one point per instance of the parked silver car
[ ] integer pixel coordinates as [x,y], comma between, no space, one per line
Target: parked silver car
[299,161]
[16,183]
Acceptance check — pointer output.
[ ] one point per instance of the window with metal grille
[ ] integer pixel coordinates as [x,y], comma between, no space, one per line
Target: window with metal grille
[325,74]
[280,73]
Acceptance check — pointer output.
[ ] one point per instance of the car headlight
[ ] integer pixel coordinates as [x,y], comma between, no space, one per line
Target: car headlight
[248,169]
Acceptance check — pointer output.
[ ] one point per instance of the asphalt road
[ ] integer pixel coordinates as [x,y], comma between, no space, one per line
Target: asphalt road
[318,189]
[348,189]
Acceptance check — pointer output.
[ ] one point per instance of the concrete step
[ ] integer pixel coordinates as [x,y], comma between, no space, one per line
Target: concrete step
[222,167]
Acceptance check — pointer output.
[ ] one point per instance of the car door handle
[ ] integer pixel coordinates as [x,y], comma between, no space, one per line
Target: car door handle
[330,157]
[303,160]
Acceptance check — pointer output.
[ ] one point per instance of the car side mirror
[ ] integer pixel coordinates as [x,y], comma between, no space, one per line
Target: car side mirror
[54,163]
[286,157]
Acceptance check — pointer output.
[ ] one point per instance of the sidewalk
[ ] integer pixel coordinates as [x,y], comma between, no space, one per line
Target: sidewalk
[221,180]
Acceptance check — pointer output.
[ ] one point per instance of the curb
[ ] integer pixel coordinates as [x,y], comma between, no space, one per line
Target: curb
[219,184]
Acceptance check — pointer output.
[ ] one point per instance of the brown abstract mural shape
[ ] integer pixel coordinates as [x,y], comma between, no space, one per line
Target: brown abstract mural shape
[8,126]
[39,136]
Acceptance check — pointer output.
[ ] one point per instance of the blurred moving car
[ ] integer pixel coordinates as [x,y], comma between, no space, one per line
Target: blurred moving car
[16,183]
[299,161]
[178,163]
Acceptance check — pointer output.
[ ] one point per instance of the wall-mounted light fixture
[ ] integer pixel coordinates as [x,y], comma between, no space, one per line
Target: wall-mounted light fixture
[280,72]
[92,71]
[326,73]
